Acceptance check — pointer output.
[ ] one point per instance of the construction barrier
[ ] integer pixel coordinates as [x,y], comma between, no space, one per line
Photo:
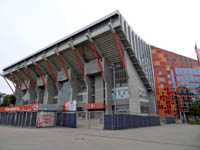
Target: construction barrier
[127,121]
[170,119]
[23,119]
[39,119]
[69,119]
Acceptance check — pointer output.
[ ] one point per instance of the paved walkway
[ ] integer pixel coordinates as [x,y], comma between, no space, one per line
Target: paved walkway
[168,137]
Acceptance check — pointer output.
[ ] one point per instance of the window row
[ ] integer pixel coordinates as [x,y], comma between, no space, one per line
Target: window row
[187,71]
[187,79]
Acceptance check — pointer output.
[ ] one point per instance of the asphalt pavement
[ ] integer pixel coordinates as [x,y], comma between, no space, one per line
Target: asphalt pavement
[167,137]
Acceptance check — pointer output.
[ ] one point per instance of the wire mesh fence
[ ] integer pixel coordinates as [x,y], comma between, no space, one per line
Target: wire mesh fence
[90,119]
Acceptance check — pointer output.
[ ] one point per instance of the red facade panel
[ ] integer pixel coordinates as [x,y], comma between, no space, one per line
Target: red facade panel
[169,93]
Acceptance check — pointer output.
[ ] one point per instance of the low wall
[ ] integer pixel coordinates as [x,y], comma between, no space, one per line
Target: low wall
[126,121]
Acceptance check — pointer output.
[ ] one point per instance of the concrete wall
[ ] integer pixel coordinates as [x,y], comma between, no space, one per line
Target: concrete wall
[99,89]
[134,83]
[108,86]
[66,90]
[18,95]
[32,92]
[92,67]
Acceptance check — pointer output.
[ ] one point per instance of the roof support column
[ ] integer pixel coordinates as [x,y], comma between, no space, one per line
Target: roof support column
[95,52]
[34,92]
[50,92]
[32,87]
[118,45]
[15,81]
[28,86]
[77,56]
[50,69]
[70,76]
[40,91]
[39,73]
[106,74]
[86,79]
[30,76]
[8,84]
[61,62]
[22,79]
[18,92]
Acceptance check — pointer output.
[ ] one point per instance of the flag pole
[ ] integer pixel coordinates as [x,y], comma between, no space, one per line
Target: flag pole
[197,53]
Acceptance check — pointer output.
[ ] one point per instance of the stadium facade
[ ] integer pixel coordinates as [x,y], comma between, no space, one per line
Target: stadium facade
[177,82]
[103,66]
[106,66]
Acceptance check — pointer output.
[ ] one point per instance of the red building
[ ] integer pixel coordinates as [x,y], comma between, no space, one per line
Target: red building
[177,81]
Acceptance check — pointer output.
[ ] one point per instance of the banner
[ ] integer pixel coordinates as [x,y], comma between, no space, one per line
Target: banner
[70,106]
[45,119]
[20,108]
[94,106]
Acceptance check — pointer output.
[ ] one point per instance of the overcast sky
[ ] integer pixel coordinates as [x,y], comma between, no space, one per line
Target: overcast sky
[28,25]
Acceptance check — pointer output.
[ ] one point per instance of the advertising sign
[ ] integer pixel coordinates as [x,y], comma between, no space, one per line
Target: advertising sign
[95,106]
[20,108]
[45,119]
[70,106]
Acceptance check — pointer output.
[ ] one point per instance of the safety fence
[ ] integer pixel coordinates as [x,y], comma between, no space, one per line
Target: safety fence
[170,119]
[126,121]
[24,119]
[69,120]
[83,119]
[90,119]
[38,119]
[167,119]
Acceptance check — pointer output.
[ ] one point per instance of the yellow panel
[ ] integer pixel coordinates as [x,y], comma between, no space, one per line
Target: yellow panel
[161,112]
[157,63]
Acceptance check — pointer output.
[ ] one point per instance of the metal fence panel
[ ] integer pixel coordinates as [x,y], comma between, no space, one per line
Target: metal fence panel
[33,119]
[13,118]
[70,120]
[90,119]
[59,119]
[24,119]
[126,121]
[96,119]
[28,119]
[82,121]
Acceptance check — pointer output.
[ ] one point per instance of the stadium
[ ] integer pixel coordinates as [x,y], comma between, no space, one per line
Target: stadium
[104,67]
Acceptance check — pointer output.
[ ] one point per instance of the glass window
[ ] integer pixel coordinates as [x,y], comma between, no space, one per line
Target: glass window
[187,71]
[187,79]
[189,85]
[120,75]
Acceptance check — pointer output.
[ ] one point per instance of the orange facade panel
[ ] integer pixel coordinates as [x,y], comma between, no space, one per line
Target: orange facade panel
[168,90]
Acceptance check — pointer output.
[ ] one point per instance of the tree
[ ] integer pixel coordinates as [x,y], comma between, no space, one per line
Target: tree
[8,99]
[195,109]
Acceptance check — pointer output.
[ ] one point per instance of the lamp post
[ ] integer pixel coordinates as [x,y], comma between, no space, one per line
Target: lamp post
[114,87]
